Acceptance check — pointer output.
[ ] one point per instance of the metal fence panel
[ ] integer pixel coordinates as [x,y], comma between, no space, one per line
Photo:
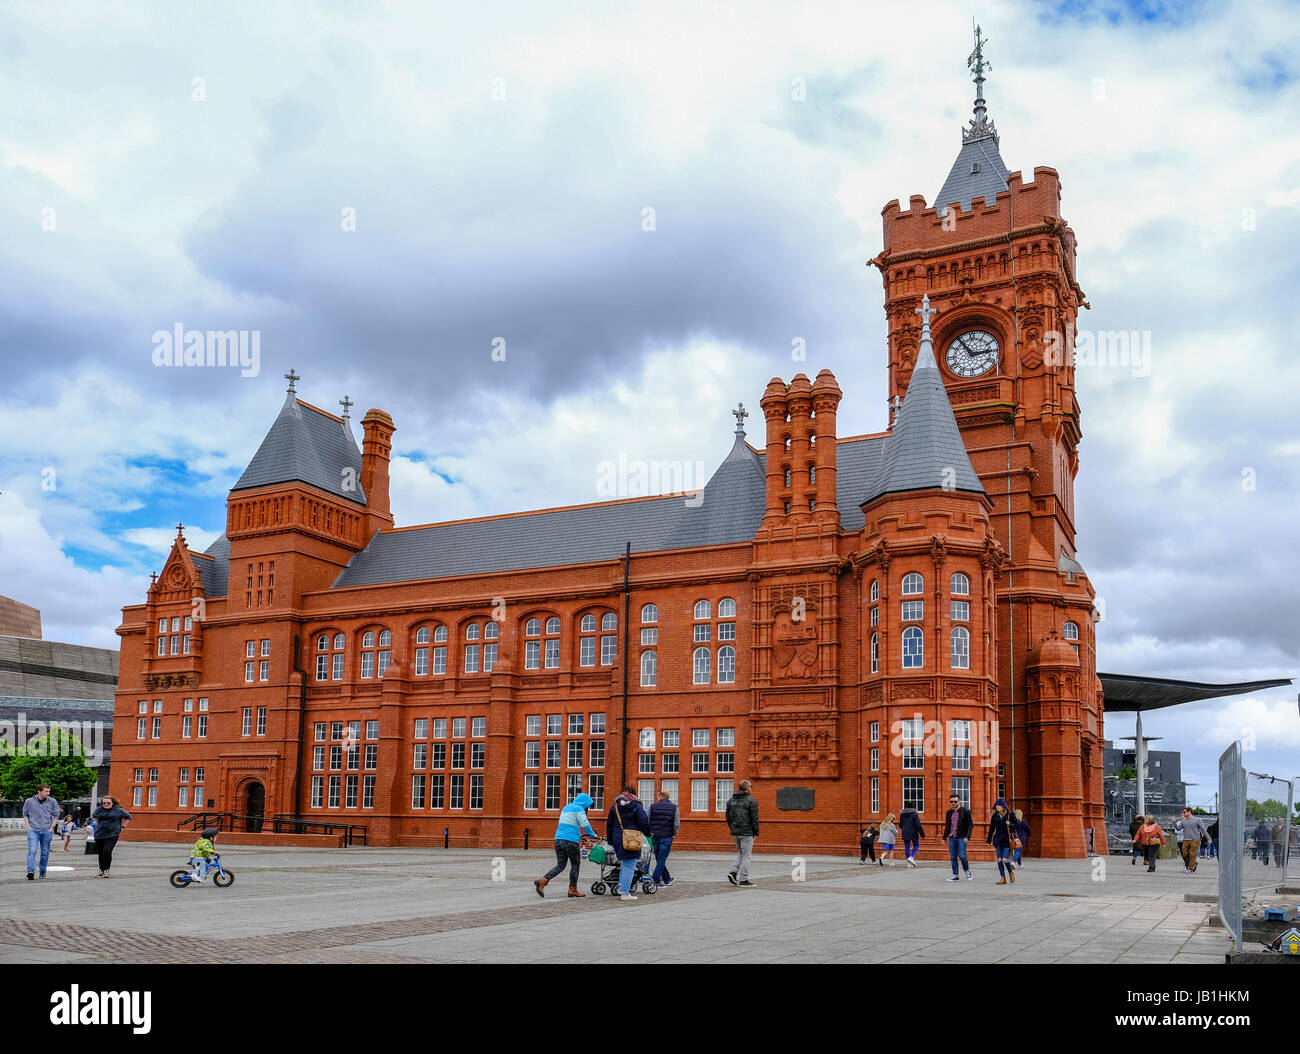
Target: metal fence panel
[1266,832]
[1232,816]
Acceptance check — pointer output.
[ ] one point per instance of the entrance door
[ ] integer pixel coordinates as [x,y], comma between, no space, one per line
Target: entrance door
[255,808]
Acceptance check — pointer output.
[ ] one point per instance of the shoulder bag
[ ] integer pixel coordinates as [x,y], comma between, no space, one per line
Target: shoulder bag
[631,839]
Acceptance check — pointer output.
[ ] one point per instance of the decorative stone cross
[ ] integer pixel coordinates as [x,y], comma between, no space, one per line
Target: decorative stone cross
[347,405]
[740,413]
[292,378]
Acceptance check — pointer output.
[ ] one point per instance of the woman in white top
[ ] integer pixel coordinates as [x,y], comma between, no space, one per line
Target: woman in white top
[888,835]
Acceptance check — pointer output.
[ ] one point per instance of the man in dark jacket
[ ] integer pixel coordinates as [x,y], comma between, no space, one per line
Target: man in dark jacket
[742,820]
[957,826]
[664,821]
[909,826]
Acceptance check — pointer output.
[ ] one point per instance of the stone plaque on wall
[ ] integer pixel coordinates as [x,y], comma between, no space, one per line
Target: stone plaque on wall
[800,799]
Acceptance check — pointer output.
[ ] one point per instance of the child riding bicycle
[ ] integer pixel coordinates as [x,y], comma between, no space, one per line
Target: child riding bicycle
[202,853]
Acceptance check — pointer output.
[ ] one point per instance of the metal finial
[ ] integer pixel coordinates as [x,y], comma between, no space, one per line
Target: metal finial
[347,405]
[980,126]
[925,311]
[740,413]
[180,528]
[292,378]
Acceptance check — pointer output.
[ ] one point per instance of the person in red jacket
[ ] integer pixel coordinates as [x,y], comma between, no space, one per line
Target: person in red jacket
[1151,838]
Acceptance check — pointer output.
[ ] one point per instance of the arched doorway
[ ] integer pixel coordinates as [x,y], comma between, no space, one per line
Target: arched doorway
[254,807]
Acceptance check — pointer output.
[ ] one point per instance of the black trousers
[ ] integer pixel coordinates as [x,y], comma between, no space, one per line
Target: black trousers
[105,847]
[1151,849]
[868,850]
[565,853]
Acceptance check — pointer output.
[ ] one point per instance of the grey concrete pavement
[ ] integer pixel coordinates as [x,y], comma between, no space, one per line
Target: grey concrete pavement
[421,905]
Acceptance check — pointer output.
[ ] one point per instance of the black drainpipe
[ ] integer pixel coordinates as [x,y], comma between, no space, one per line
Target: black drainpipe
[627,655]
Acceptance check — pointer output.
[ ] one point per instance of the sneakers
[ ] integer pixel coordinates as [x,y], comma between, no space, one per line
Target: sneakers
[969,876]
[747,882]
[954,878]
[731,877]
[911,862]
[666,883]
[627,896]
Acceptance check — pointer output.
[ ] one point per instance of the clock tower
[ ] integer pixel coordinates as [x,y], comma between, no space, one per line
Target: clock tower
[997,261]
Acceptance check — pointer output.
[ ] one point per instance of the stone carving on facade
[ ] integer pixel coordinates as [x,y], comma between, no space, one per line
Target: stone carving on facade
[794,632]
[804,745]
[171,680]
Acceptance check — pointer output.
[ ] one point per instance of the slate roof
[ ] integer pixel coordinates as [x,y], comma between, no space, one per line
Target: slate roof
[215,573]
[310,446]
[924,450]
[964,186]
[731,510]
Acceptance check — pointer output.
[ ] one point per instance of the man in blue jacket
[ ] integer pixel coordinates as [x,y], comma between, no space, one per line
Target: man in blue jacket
[664,821]
[568,836]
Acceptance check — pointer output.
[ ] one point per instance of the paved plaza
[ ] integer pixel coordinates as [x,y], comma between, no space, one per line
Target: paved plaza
[443,906]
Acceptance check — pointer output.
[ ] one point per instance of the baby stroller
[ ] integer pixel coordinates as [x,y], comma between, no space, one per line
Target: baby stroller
[602,855]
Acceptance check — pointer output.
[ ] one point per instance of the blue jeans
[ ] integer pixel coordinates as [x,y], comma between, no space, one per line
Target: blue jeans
[1016,856]
[957,851]
[662,847]
[910,846]
[42,839]
[1004,858]
[1214,847]
[626,870]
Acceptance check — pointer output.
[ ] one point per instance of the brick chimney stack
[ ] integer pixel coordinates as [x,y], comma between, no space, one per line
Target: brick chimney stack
[376,448]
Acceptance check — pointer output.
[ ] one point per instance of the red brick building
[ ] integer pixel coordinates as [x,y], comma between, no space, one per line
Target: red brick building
[854,623]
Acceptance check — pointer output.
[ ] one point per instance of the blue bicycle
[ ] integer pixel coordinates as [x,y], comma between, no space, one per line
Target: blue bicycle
[221,878]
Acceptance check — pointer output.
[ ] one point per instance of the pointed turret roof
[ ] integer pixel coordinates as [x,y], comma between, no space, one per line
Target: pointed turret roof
[979,171]
[925,449]
[731,503]
[310,446]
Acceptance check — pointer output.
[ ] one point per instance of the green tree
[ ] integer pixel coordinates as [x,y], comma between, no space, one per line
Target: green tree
[1127,773]
[56,758]
[1264,810]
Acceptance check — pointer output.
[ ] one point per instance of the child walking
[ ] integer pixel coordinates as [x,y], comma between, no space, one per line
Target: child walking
[888,835]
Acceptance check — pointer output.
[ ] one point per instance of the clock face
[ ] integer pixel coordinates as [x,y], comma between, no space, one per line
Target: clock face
[973,353]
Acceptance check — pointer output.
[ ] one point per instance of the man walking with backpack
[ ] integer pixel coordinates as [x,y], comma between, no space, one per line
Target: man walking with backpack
[742,820]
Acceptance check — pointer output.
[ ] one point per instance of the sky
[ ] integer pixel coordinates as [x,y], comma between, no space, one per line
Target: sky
[645,207]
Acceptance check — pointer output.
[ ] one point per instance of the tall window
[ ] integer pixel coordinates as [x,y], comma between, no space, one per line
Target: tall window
[875,794]
[875,653]
[329,656]
[608,642]
[960,648]
[959,585]
[248,721]
[913,584]
[587,644]
[1072,635]
[874,592]
[913,648]
[552,644]
[491,633]
[961,788]
[727,665]
[472,634]
[914,793]
[701,664]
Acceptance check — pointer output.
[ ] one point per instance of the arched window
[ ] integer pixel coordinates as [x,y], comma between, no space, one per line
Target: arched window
[587,644]
[702,609]
[375,663]
[702,665]
[552,626]
[649,669]
[727,665]
[960,585]
[608,642]
[787,476]
[471,650]
[960,648]
[875,590]
[329,661]
[537,653]
[1071,631]
[533,628]
[913,584]
[422,635]
[726,608]
[440,635]
[491,631]
[875,653]
[422,653]
[588,624]
[609,622]
[913,648]
[812,473]
[649,613]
